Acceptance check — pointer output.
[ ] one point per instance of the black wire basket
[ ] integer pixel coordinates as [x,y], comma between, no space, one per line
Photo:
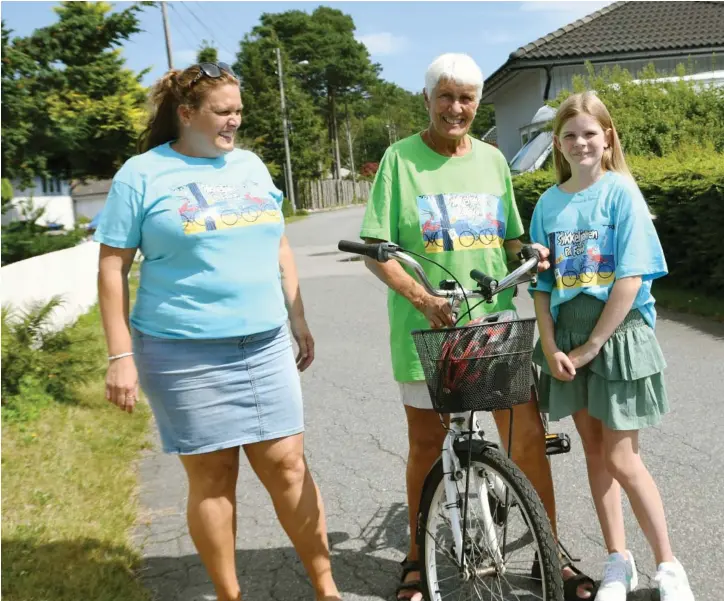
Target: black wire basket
[484,367]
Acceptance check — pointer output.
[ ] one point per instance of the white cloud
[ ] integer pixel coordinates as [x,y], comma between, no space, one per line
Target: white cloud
[383,43]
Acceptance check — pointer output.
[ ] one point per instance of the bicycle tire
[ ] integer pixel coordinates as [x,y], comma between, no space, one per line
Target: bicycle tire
[534,516]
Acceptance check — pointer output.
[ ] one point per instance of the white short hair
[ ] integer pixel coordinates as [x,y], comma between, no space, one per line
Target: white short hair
[460,68]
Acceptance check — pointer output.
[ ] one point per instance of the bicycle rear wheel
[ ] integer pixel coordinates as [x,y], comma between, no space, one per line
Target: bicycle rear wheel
[500,558]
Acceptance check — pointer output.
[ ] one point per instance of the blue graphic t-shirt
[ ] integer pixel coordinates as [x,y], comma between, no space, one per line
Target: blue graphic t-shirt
[209,231]
[595,236]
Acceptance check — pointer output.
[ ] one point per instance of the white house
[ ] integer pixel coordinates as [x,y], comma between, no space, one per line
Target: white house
[629,34]
[50,193]
[89,198]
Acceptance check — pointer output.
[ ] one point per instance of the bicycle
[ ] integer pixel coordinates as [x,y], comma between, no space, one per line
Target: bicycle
[482,530]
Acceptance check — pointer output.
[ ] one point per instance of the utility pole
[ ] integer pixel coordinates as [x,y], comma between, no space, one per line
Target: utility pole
[349,143]
[290,181]
[167,33]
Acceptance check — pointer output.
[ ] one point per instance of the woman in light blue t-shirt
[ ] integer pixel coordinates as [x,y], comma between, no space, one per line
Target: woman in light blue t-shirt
[207,339]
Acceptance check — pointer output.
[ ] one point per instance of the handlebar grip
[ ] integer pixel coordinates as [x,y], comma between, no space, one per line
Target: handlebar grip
[486,282]
[373,251]
[528,252]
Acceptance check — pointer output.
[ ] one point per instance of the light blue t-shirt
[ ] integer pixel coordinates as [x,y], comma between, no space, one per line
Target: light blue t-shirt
[595,236]
[209,231]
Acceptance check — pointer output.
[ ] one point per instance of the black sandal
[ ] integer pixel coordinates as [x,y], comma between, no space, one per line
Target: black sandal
[571,585]
[408,565]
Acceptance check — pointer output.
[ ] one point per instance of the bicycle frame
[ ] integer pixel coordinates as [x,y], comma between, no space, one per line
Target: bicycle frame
[453,472]
[452,468]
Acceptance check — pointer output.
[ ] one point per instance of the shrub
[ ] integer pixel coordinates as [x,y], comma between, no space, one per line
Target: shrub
[654,118]
[41,365]
[685,191]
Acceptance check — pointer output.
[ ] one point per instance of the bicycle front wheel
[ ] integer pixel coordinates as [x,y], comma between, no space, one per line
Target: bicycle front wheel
[500,554]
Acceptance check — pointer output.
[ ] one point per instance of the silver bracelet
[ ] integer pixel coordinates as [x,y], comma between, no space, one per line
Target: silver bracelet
[114,357]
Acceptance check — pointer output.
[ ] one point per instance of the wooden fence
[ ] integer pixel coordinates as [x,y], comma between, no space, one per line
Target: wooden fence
[329,193]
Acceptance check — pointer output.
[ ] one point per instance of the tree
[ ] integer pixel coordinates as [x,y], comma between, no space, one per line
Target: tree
[654,117]
[484,120]
[70,109]
[328,61]
[208,53]
[262,126]
[7,194]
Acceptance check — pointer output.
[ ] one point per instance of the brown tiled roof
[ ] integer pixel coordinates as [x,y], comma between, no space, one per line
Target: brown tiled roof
[633,27]
[624,29]
[91,188]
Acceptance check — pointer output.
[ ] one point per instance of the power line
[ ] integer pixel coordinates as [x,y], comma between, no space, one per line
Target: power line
[193,35]
[216,24]
[211,33]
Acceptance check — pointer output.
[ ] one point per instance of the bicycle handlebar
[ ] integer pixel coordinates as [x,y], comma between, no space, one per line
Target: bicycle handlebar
[488,286]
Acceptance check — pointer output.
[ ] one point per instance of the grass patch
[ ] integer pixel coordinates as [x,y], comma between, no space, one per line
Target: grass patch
[69,502]
[688,301]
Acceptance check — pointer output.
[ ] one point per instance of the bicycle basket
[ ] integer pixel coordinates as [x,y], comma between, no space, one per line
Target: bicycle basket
[477,367]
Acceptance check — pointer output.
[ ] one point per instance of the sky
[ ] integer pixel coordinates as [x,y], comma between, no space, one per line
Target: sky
[403,37]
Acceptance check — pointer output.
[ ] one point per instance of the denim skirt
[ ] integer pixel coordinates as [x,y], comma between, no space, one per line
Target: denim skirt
[208,395]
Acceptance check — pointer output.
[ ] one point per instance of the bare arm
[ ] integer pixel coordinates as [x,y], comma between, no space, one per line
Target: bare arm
[560,365]
[113,298]
[295,307]
[437,310]
[617,307]
[513,246]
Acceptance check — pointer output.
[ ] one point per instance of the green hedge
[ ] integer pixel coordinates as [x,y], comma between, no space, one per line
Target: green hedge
[685,191]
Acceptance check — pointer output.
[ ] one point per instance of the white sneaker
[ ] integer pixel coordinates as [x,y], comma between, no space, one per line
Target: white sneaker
[619,577]
[673,583]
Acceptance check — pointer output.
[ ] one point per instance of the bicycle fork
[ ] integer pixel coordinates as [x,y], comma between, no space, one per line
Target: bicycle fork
[479,489]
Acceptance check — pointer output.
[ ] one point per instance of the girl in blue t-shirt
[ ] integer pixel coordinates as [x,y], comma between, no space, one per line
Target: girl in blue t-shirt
[599,357]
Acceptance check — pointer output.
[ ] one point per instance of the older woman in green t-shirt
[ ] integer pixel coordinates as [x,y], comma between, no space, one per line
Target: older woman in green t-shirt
[445,193]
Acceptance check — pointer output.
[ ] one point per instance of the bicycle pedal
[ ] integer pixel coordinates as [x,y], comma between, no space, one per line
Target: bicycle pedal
[557,444]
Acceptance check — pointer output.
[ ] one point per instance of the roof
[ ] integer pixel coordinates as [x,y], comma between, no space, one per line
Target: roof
[91,188]
[625,29]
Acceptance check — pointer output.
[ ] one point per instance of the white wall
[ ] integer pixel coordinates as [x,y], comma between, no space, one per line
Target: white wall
[562,77]
[515,106]
[53,195]
[518,100]
[89,207]
[58,209]
[71,273]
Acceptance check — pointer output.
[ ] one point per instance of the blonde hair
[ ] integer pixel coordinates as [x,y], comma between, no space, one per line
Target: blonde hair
[587,103]
[174,89]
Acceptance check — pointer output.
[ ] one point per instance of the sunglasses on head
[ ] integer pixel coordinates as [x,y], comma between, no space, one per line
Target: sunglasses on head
[212,70]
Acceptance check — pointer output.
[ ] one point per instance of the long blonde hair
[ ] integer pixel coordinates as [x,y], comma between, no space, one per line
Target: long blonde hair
[587,103]
[174,89]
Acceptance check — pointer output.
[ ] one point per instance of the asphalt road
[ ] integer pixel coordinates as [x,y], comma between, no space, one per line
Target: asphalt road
[356,446]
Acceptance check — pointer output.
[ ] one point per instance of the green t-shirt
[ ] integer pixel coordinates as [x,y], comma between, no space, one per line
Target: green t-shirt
[456,210]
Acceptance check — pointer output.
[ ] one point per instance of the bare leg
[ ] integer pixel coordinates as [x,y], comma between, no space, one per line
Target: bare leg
[529,454]
[624,462]
[425,435]
[283,470]
[605,490]
[211,514]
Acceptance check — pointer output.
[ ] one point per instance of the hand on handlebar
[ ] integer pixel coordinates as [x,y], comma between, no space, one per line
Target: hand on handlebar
[437,311]
[544,252]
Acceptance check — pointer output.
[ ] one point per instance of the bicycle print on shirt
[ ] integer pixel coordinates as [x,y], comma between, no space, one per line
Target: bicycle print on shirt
[454,222]
[583,258]
[206,207]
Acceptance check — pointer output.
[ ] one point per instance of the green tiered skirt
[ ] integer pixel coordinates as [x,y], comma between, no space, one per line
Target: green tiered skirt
[623,386]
